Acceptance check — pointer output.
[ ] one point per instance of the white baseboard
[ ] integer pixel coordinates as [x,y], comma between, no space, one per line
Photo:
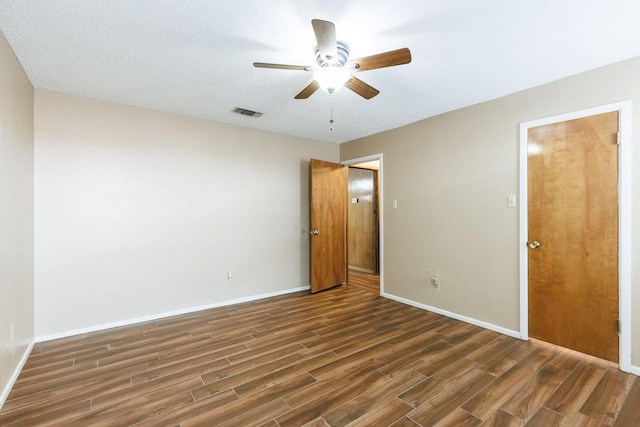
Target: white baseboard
[14,377]
[499,329]
[167,314]
[5,392]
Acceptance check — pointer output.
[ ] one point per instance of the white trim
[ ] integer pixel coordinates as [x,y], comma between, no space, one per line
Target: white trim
[372,158]
[485,325]
[16,373]
[524,235]
[624,240]
[635,370]
[624,233]
[167,314]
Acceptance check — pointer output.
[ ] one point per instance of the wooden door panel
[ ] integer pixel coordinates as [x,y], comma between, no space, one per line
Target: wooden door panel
[328,217]
[362,212]
[573,214]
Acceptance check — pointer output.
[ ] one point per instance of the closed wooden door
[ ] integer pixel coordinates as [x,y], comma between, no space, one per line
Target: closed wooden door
[328,215]
[573,234]
[363,220]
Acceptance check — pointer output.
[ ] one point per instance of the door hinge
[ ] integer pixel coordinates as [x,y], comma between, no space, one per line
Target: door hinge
[618,138]
[618,325]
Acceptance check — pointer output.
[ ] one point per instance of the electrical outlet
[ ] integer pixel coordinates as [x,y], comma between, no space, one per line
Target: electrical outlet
[229,276]
[435,281]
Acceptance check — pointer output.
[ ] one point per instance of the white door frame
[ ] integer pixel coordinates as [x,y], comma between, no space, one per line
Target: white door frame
[365,159]
[624,218]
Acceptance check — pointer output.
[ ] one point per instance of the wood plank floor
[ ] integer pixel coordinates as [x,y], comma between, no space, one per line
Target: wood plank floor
[345,356]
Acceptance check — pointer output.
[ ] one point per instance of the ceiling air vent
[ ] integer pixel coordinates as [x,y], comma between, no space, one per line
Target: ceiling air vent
[246,112]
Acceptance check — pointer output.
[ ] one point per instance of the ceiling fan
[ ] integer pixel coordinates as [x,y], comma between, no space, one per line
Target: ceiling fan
[334,69]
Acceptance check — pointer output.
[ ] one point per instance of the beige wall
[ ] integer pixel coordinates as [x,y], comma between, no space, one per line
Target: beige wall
[16,216]
[451,175]
[140,213]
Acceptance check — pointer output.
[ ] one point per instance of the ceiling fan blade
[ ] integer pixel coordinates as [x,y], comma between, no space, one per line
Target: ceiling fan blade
[381,60]
[326,36]
[308,91]
[282,66]
[361,88]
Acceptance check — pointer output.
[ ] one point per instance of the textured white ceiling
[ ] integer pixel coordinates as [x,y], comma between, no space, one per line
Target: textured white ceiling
[194,57]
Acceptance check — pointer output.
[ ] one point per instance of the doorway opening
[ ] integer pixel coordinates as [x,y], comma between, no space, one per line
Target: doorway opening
[365,222]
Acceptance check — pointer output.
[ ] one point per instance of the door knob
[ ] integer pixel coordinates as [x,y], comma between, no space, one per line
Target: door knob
[314,232]
[534,244]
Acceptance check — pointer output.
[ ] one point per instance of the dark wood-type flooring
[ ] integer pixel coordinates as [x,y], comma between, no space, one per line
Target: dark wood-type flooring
[345,356]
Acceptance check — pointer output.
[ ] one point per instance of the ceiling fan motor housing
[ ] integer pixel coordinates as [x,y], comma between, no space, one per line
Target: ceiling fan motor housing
[340,60]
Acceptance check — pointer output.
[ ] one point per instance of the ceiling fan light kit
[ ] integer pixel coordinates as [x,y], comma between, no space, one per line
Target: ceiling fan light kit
[331,78]
[334,69]
[331,73]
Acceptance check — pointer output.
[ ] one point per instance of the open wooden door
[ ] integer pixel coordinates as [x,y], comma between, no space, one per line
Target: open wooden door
[328,230]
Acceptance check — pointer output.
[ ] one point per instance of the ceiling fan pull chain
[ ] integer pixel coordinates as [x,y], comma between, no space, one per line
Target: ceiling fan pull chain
[331,110]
